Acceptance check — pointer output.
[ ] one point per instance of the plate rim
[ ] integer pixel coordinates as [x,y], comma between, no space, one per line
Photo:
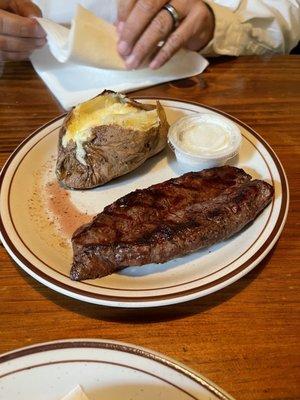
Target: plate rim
[113,345]
[163,299]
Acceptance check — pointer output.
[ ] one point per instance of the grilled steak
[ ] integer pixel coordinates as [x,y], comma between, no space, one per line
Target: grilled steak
[168,220]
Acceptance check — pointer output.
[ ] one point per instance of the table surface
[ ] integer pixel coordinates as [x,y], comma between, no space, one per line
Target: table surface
[244,337]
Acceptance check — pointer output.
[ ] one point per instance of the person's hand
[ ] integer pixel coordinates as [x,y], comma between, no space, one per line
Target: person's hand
[142,24]
[19,34]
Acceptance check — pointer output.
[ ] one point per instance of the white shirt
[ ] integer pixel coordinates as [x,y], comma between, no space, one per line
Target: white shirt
[254,26]
[241,26]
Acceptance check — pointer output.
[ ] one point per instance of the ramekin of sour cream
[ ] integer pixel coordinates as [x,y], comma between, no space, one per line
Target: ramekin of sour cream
[204,140]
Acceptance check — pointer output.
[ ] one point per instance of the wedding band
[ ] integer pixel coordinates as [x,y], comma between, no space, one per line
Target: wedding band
[174,14]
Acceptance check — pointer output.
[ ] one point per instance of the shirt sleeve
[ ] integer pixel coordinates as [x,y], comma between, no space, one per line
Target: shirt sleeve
[254,27]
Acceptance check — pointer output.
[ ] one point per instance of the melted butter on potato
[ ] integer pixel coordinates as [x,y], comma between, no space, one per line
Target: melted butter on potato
[108,109]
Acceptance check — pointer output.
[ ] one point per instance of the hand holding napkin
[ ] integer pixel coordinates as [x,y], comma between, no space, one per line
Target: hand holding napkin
[80,62]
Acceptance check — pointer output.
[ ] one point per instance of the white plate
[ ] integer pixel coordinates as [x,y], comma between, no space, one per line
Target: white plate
[36,233]
[106,370]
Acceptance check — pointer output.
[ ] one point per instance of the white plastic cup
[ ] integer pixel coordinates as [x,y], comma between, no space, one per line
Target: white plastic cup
[212,158]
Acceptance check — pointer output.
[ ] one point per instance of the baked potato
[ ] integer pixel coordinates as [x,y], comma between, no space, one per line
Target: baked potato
[106,137]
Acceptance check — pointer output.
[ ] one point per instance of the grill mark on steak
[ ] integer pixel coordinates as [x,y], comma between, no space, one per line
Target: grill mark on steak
[168,220]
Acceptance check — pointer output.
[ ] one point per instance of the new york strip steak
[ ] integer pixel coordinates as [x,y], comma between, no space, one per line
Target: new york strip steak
[168,220]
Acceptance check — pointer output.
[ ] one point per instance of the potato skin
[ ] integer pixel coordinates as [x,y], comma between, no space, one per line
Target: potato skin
[111,151]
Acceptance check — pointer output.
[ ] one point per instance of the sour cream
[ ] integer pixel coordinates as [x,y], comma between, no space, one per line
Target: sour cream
[204,140]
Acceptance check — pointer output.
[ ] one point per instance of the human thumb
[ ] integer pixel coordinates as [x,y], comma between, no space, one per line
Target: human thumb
[26,8]
[4,4]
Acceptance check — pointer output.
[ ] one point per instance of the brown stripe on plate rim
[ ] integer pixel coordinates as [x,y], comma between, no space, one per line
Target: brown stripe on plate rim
[260,251]
[62,345]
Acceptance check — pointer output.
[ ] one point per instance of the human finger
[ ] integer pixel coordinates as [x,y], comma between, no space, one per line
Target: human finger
[13,56]
[16,25]
[157,31]
[195,24]
[4,4]
[204,29]
[26,8]
[17,44]
[175,41]
[142,13]
[124,9]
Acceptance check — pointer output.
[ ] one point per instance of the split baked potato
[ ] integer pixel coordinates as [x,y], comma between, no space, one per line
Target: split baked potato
[106,137]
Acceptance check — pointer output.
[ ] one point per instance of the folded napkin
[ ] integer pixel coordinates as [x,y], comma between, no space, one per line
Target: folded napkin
[80,62]
[91,41]
[76,394]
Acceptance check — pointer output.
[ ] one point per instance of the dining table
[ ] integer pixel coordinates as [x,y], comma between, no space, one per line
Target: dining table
[245,337]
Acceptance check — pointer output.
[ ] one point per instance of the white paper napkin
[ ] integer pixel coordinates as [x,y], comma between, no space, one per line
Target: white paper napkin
[67,63]
[91,41]
[76,394]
